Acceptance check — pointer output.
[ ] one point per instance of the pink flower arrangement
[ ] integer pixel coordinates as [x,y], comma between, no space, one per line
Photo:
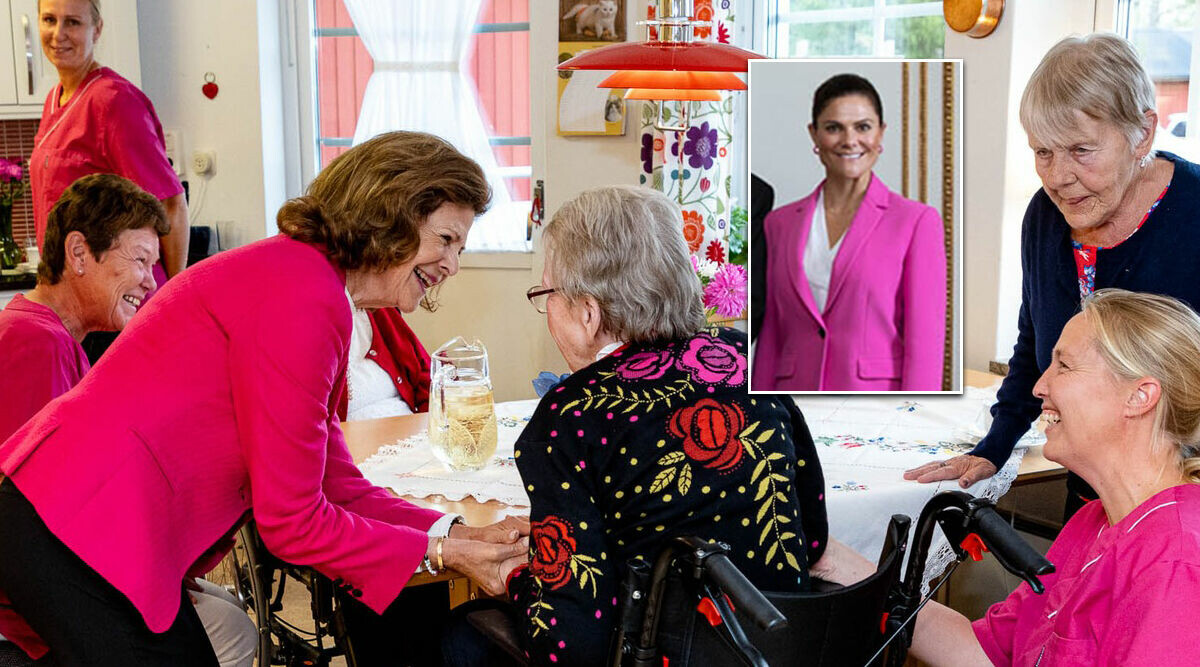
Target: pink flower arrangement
[726,292]
[13,181]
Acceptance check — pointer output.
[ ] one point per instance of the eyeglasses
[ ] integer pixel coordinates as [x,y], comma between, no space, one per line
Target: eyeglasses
[538,296]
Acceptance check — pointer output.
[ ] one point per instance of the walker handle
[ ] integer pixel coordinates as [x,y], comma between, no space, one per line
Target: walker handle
[1012,552]
[744,595]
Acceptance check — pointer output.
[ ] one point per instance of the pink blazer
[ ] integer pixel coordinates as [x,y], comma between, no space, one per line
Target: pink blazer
[883,327]
[218,398]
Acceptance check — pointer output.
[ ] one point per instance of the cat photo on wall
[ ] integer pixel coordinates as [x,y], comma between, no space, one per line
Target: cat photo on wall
[591,21]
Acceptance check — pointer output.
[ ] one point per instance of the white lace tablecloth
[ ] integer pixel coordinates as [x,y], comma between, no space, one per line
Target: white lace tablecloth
[864,443]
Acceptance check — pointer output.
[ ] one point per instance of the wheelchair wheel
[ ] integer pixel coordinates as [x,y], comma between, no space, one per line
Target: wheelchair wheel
[254,588]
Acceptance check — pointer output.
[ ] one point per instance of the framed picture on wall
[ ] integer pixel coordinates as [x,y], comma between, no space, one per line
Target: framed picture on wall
[591,21]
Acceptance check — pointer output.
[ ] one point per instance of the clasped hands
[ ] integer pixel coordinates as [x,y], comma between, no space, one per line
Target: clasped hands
[486,554]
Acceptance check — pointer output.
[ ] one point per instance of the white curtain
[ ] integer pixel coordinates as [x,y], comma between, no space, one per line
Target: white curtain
[420,84]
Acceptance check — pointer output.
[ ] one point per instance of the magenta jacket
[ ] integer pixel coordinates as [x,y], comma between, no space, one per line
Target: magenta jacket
[883,328]
[218,398]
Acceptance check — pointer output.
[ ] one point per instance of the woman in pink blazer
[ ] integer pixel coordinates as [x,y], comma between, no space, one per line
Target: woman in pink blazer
[857,276]
[108,506]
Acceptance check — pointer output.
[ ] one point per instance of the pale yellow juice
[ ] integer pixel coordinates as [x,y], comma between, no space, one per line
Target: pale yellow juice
[462,429]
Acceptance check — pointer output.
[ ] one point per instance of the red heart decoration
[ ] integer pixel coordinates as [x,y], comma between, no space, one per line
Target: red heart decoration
[209,89]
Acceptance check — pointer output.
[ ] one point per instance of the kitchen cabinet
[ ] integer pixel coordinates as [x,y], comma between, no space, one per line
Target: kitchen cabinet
[26,76]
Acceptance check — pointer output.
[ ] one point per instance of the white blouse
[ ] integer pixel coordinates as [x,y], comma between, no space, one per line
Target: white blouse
[371,391]
[819,256]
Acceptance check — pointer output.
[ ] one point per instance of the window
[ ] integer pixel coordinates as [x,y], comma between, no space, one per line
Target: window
[401,72]
[1163,32]
[836,28]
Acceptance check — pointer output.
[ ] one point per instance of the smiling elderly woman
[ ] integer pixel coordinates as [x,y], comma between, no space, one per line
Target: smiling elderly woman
[243,353]
[653,435]
[1122,399]
[1111,213]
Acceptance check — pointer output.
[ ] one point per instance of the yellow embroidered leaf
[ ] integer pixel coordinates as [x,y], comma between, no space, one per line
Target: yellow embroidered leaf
[762,511]
[662,479]
[540,623]
[574,567]
[748,445]
[631,408]
[778,477]
[568,406]
[786,536]
[765,436]
[758,470]
[771,552]
[762,488]
[782,498]
[659,391]
[783,519]
[587,392]
[671,459]
[775,457]
[791,560]
[585,558]
[749,429]
[620,392]
[685,479]
[765,531]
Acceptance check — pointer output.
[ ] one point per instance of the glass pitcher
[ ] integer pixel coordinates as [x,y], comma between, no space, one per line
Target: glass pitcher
[462,418]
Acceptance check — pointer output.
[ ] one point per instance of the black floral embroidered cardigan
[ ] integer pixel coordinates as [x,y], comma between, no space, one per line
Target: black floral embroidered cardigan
[650,442]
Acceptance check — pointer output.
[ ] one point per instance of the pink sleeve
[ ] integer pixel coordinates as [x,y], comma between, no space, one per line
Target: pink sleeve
[923,288]
[997,629]
[281,386]
[45,369]
[134,145]
[1152,621]
[346,486]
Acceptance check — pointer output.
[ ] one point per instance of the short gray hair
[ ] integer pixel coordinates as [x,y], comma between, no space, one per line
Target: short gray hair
[1099,74]
[624,247]
[1149,335]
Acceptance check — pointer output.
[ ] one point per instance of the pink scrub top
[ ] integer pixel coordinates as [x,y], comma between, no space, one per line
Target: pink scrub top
[1122,595]
[107,127]
[41,361]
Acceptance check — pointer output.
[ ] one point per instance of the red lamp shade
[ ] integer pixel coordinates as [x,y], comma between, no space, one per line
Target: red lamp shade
[671,79]
[684,56]
[681,94]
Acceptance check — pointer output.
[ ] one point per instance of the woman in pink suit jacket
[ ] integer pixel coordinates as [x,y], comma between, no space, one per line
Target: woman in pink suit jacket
[244,355]
[857,276]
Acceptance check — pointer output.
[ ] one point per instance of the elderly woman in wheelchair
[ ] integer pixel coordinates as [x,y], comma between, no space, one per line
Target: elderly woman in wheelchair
[652,436]
[1121,403]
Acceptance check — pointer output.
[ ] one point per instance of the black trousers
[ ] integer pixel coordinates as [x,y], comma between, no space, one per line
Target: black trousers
[81,617]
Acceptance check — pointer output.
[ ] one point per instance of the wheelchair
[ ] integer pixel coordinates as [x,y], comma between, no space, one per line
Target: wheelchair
[261,579]
[694,607]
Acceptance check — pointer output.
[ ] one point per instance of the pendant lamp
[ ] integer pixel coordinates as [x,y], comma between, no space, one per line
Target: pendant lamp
[670,65]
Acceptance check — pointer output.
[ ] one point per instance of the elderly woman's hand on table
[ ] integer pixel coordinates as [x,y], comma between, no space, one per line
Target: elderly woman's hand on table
[967,469]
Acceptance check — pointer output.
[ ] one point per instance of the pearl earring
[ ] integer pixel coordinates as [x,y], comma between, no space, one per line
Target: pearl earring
[816,150]
[1145,161]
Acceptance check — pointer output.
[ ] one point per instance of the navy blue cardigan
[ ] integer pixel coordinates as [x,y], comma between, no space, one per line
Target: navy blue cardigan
[1163,257]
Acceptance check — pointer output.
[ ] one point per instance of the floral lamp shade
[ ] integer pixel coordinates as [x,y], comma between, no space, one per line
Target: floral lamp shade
[694,168]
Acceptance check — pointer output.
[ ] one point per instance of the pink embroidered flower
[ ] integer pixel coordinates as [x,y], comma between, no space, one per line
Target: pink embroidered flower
[645,365]
[711,361]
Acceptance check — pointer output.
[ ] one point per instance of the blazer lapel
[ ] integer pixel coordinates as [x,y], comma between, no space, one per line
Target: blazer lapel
[796,241]
[870,213]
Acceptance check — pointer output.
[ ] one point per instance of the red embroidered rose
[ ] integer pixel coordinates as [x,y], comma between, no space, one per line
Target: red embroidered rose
[553,547]
[645,365]
[710,433]
[693,230]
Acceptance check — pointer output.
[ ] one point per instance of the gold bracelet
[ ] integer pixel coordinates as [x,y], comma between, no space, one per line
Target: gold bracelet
[440,565]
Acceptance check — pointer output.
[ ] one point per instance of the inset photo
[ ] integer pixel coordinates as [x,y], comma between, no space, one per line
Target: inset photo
[856,226]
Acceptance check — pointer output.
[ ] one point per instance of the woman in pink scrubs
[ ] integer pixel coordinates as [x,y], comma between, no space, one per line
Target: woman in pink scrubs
[1121,404]
[94,121]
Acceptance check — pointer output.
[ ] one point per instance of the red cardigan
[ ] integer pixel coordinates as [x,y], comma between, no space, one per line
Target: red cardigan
[399,352]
